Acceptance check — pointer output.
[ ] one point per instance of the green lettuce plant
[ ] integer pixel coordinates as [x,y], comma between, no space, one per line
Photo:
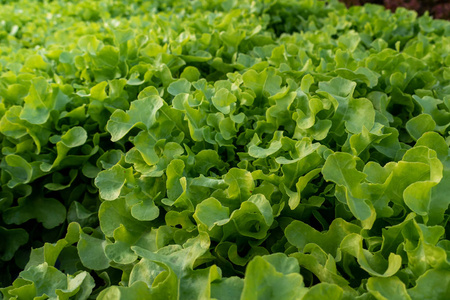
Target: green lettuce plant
[284,149]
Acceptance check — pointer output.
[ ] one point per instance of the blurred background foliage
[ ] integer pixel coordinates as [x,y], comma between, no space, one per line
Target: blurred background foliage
[439,9]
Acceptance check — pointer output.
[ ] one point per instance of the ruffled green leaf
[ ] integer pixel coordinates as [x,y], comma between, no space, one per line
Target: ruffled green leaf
[142,112]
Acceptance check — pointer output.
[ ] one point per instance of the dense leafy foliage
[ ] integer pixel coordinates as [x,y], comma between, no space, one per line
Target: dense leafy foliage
[288,149]
[437,8]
